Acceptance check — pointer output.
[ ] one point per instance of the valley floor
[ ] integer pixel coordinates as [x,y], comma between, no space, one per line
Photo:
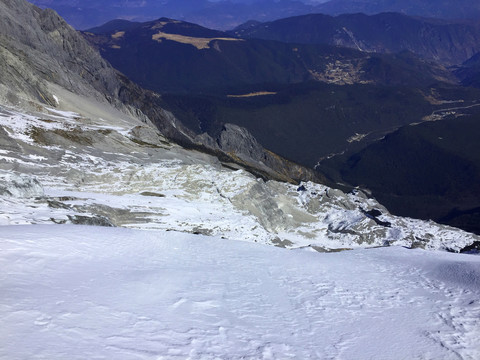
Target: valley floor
[79,292]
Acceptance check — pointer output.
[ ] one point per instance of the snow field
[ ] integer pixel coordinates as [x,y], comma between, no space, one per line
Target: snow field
[81,292]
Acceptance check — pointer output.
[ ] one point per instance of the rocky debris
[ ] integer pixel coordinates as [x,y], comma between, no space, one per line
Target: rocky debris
[8,144]
[321,249]
[198,230]
[96,214]
[151,193]
[374,214]
[90,220]
[145,135]
[282,243]
[259,201]
[20,186]
[473,248]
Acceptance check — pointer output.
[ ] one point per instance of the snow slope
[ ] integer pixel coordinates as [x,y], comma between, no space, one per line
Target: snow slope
[78,292]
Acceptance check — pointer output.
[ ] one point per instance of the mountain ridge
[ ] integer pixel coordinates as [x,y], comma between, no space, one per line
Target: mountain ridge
[445,41]
[461,9]
[225,15]
[192,59]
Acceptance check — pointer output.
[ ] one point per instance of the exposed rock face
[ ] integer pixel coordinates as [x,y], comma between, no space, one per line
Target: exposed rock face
[236,139]
[39,48]
[239,143]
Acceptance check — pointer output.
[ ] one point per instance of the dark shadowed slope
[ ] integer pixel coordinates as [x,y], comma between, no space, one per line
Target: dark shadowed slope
[171,56]
[428,171]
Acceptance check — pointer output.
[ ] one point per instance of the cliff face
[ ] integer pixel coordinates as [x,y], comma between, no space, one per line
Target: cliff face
[40,47]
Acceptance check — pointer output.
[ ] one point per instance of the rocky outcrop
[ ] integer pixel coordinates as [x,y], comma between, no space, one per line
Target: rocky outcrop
[238,143]
[46,49]
[238,140]
[20,186]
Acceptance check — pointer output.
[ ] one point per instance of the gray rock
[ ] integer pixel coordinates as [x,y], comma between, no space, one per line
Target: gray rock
[22,186]
[147,136]
[237,140]
[7,142]
[240,143]
[96,220]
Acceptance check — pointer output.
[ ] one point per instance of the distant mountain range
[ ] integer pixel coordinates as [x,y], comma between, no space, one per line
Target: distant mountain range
[447,42]
[219,14]
[178,57]
[229,14]
[441,9]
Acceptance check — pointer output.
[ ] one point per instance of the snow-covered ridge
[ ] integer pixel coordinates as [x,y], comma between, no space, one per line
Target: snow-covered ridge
[96,171]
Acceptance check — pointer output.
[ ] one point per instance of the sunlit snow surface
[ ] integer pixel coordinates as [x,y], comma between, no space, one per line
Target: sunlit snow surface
[76,292]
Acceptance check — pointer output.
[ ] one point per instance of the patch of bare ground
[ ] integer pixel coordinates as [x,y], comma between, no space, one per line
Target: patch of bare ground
[258,93]
[198,42]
